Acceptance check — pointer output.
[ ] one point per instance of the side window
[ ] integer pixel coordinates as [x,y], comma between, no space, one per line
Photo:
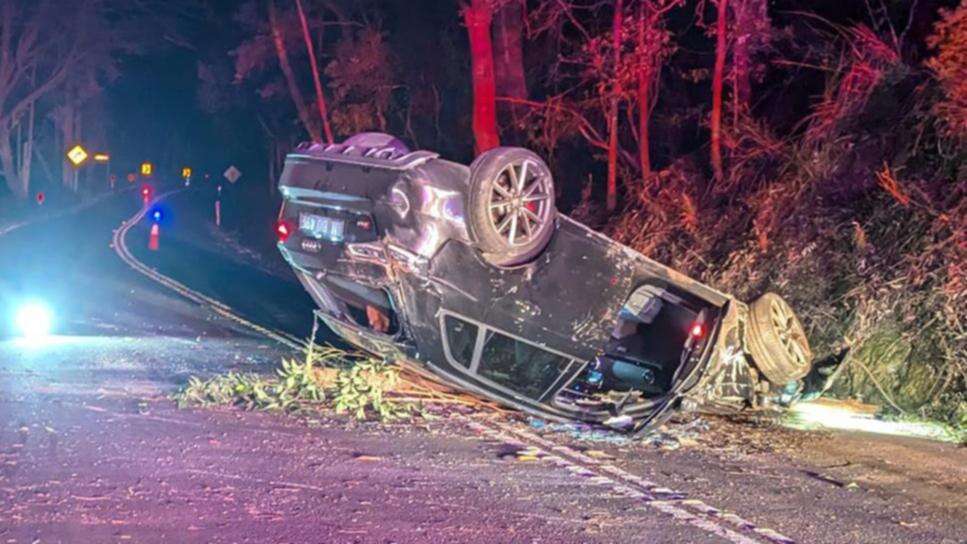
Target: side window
[519,366]
[461,338]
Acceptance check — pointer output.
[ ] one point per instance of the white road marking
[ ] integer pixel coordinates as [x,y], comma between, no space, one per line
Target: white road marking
[121,248]
[692,511]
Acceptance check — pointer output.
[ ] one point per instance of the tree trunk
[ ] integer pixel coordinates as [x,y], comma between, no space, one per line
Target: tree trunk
[320,98]
[66,116]
[293,85]
[751,29]
[612,189]
[45,165]
[509,74]
[740,53]
[478,16]
[717,75]
[645,75]
[27,151]
[79,136]
[7,162]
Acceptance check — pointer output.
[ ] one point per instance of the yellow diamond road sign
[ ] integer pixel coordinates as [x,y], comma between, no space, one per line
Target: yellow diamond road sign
[77,155]
[146,168]
[186,172]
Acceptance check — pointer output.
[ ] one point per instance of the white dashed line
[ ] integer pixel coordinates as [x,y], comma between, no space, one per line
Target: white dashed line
[691,511]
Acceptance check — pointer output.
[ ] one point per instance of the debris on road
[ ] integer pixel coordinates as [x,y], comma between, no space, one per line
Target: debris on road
[328,378]
[666,437]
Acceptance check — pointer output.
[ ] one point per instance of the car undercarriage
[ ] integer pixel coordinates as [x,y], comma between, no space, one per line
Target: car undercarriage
[473,274]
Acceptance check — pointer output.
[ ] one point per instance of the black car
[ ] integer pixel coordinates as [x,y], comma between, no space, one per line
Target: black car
[472,273]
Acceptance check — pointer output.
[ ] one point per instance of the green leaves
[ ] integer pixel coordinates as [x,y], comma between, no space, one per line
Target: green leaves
[294,388]
[361,388]
[356,384]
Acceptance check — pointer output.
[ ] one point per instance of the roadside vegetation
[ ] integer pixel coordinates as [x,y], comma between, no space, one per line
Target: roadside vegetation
[858,217]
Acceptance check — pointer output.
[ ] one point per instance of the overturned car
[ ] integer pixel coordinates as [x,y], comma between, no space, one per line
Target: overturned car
[472,273]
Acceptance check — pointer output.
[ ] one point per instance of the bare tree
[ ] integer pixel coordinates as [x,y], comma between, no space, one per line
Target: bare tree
[478,16]
[278,40]
[717,80]
[36,55]
[509,75]
[651,50]
[612,188]
[320,98]
[751,35]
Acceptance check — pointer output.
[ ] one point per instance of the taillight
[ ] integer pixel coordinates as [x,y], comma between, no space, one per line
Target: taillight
[283,230]
[697,331]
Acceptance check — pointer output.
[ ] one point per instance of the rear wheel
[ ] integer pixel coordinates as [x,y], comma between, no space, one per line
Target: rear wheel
[510,208]
[776,340]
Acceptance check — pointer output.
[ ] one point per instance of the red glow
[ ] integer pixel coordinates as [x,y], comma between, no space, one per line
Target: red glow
[697,330]
[282,231]
[477,16]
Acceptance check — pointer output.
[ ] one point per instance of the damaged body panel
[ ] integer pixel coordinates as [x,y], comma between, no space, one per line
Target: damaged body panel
[472,273]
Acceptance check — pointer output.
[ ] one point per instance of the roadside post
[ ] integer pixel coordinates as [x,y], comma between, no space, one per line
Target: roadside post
[147,171]
[155,230]
[105,159]
[231,174]
[218,206]
[76,155]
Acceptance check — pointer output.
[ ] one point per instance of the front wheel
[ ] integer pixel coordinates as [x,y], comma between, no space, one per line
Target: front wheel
[510,205]
[776,340]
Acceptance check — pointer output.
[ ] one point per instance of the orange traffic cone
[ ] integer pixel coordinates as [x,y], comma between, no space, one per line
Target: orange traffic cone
[153,239]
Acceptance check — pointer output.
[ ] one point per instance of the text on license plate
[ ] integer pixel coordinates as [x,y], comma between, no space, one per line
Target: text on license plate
[322,227]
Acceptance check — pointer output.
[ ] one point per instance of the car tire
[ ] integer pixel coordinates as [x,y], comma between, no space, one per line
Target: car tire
[777,341]
[510,219]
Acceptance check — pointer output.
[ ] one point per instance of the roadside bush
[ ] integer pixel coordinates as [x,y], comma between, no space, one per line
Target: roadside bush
[859,219]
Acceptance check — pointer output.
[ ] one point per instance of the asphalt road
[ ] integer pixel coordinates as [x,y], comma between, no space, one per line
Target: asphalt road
[92,450]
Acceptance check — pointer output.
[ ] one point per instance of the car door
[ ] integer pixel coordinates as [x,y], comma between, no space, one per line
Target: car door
[566,300]
[511,367]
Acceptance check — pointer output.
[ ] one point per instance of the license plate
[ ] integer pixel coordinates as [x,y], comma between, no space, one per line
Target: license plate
[322,227]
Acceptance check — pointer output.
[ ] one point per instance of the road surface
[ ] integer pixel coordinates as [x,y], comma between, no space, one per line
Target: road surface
[92,450]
